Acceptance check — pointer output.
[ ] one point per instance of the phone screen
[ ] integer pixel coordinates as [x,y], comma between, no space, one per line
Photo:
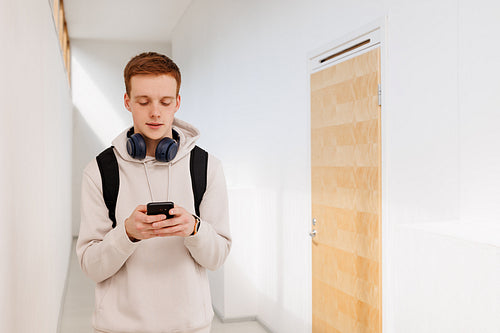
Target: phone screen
[156,208]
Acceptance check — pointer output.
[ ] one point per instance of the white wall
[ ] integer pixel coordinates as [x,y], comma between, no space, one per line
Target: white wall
[479,96]
[245,85]
[98,89]
[35,169]
[447,267]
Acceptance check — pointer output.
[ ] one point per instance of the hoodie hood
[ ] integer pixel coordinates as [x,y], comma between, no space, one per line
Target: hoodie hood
[188,135]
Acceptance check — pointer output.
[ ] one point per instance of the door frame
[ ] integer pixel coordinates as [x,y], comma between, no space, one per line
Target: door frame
[378,30]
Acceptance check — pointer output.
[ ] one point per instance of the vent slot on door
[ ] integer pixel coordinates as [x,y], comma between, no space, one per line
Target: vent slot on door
[344,49]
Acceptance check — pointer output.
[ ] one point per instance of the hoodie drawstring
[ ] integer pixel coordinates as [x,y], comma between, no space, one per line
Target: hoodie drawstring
[169,178]
[149,184]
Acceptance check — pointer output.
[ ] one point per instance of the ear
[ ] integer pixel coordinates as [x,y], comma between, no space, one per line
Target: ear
[126,101]
[178,102]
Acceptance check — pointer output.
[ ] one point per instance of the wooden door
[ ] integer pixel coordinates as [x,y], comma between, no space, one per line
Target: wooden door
[346,196]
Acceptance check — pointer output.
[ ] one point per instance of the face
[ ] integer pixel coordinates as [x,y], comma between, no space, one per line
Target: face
[153,104]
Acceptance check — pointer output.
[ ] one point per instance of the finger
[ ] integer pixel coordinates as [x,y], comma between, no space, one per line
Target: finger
[170,231]
[177,211]
[156,218]
[152,218]
[144,227]
[166,223]
[142,208]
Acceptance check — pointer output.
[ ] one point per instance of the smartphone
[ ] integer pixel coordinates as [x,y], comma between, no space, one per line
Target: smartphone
[163,207]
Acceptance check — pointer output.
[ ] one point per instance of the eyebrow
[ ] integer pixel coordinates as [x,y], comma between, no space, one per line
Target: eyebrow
[146,96]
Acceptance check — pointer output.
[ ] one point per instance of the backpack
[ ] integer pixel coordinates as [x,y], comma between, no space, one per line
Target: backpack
[108,167]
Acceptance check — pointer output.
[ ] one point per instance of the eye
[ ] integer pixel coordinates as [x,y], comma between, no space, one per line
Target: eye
[143,103]
[167,101]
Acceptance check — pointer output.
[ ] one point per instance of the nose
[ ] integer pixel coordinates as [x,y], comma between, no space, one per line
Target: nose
[155,110]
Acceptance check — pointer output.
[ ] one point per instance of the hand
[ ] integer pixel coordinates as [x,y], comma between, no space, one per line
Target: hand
[139,225]
[182,224]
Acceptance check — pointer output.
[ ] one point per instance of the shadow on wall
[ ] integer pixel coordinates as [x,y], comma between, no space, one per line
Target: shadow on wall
[86,146]
[266,301]
[261,278]
[102,116]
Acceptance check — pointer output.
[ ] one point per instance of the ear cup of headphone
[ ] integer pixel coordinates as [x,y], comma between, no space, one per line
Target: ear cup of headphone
[136,146]
[166,150]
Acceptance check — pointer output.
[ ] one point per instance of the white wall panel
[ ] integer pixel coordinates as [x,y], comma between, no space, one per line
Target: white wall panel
[446,284]
[422,119]
[36,169]
[6,276]
[479,96]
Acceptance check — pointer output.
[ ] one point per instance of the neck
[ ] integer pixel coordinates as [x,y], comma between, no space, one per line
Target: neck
[151,144]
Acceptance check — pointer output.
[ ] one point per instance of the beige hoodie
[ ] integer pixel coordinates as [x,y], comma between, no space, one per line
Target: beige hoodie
[160,284]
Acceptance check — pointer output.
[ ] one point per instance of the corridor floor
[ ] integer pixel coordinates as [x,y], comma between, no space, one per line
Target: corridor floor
[79,305]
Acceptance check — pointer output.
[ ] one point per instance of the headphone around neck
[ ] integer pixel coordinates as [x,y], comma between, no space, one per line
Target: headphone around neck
[165,150]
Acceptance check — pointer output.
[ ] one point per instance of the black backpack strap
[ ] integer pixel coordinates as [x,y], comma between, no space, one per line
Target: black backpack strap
[198,167]
[108,167]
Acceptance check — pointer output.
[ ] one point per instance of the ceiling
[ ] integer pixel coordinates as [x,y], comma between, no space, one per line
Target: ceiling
[124,20]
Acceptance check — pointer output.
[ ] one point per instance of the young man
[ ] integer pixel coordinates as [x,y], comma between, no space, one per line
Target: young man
[151,271]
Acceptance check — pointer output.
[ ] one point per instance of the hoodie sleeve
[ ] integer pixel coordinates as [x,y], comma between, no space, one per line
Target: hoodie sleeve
[210,246]
[101,250]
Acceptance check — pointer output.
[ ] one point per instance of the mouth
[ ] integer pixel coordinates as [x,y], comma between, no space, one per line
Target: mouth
[154,125]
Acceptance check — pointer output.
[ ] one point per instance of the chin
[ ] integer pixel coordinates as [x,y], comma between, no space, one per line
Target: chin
[155,135]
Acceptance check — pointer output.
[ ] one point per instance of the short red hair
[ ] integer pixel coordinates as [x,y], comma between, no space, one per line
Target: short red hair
[151,63]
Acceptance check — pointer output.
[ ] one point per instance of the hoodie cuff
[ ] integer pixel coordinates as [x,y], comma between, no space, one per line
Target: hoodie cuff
[121,241]
[198,239]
